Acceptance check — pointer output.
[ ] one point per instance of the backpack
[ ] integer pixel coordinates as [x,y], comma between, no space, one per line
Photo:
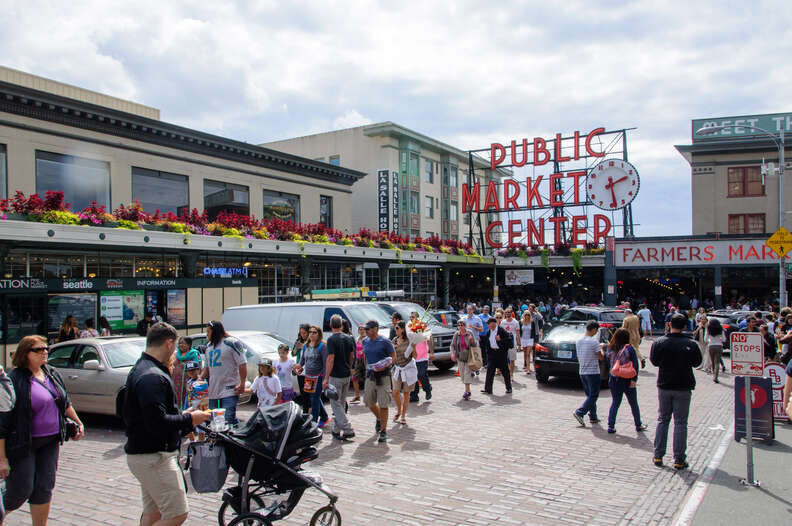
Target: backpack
[7,394]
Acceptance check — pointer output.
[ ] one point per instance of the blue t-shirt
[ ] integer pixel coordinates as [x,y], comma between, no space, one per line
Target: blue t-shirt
[377,349]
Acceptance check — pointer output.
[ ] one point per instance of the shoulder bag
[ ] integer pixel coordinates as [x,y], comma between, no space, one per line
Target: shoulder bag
[475,361]
[623,370]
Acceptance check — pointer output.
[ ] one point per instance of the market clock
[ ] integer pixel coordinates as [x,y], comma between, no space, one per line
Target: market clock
[612,184]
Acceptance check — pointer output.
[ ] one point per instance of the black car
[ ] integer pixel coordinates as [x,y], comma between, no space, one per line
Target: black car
[556,354]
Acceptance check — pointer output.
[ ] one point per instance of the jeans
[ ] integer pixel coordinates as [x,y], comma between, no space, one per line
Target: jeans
[676,403]
[32,477]
[621,387]
[318,413]
[339,406]
[228,403]
[591,386]
[423,380]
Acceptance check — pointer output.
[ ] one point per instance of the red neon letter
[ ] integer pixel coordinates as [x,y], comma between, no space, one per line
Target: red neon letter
[514,234]
[488,234]
[495,160]
[601,233]
[579,230]
[470,201]
[508,198]
[557,228]
[514,153]
[535,235]
[558,157]
[491,201]
[540,147]
[576,155]
[577,176]
[533,191]
[556,195]
[589,137]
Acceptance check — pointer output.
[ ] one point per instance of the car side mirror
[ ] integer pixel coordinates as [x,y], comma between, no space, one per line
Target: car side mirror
[92,365]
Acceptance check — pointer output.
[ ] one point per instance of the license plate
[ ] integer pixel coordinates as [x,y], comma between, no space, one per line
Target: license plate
[565,354]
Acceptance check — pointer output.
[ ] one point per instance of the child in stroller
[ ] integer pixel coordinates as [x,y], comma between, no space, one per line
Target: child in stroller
[267,452]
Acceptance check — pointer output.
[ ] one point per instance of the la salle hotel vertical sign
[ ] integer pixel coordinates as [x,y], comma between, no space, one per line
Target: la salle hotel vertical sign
[383,199]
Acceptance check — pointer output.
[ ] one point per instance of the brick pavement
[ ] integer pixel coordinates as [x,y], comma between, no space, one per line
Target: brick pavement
[518,459]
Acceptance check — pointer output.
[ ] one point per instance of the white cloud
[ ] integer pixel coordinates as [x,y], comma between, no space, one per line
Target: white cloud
[350,119]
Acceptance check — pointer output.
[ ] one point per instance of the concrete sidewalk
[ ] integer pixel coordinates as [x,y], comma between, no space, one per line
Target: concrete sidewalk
[728,502]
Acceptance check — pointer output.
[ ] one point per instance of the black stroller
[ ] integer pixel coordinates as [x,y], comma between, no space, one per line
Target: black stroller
[268,452]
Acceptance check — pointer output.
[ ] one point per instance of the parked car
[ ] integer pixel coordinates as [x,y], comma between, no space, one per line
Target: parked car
[556,354]
[448,318]
[441,335]
[95,369]
[609,318]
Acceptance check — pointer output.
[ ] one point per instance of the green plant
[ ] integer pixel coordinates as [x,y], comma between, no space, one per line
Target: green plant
[575,254]
[545,257]
[60,217]
[179,228]
[126,224]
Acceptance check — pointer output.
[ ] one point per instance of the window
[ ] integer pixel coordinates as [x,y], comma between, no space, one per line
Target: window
[414,164]
[453,177]
[414,202]
[88,352]
[61,357]
[3,172]
[335,160]
[24,316]
[326,210]
[81,180]
[81,305]
[444,211]
[329,313]
[745,182]
[428,172]
[429,234]
[227,197]
[161,191]
[454,215]
[280,205]
[445,175]
[428,203]
[746,223]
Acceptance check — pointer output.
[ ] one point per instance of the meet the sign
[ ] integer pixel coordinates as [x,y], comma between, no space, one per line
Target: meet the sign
[519,277]
[736,127]
[383,198]
[693,253]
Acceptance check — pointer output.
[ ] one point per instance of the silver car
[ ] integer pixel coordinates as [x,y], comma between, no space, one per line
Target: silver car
[258,345]
[95,369]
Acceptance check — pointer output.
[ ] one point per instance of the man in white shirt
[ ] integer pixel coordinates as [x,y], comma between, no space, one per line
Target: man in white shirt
[589,353]
[646,319]
[512,326]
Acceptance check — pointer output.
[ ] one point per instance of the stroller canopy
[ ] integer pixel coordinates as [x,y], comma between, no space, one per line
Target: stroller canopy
[278,429]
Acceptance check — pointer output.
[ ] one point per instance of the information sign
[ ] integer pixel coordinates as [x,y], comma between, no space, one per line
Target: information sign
[122,308]
[777,375]
[747,354]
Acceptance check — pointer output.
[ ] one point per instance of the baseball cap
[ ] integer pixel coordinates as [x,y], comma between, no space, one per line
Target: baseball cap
[372,324]
[191,365]
[265,361]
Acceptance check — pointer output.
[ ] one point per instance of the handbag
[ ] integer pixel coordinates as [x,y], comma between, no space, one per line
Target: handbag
[207,465]
[464,354]
[474,361]
[623,370]
[309,384]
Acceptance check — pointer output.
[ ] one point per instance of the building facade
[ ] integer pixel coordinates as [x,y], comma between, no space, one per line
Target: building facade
[425,174]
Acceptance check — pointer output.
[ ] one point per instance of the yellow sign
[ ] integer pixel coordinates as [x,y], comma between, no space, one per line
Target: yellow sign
[781,242]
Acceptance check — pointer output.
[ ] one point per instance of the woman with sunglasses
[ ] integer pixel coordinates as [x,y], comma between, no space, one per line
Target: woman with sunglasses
[302,338]
[33,431]
[312,366]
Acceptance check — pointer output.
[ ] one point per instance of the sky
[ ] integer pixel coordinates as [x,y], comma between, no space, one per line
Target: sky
[466,73]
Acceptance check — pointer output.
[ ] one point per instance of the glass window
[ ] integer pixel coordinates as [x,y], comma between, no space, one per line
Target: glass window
[61,357]
[429,206]
[414,164]
[428,172]
[453,211]
[279,205]
[24,316]
[88,352]
[3,172]
[54,266]
[453,177]
[335,160]
[81,180]
[745,182]
[326,210]
[227,197]
[81,305]
[755,223]
[444,210]
[414,202]
[405,201]
[125,353]
[16,264]
[445,175]
[161,191]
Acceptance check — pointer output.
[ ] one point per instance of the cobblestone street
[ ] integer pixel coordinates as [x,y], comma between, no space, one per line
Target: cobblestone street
[501,459]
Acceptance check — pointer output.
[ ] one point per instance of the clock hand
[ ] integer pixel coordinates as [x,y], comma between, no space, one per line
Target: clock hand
[619,180]
[613,194]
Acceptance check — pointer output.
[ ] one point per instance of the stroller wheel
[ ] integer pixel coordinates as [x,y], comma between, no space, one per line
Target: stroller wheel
[250,519]
[227,512]
[327,516]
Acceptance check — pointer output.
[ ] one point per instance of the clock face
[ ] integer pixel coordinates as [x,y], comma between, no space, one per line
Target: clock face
[612,184]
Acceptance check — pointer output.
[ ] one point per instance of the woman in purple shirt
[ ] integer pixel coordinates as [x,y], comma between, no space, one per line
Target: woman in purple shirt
[32,432]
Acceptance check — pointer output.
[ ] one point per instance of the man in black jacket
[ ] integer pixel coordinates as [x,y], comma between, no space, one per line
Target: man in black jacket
[676,355]
[496,345]
[154,429]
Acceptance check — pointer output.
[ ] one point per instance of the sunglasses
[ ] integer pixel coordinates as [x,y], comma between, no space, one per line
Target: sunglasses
[39,349]
[313,332]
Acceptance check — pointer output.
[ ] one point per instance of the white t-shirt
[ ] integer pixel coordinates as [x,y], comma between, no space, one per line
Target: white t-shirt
[266,389]
[646,315]
[512,326]
[223,362]
[284,372]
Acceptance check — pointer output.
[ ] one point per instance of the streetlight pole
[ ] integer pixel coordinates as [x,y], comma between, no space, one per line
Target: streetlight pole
[779,142]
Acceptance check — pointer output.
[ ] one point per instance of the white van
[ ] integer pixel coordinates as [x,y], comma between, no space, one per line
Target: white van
[284,319]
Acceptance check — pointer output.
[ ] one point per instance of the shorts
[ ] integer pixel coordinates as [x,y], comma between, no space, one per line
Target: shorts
[380,395]
[401,385]
[512,354]
[161,483]
[646,326]
[527,343]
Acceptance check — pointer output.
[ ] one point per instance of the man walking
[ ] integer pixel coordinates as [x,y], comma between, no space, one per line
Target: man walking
[512,326]
[496,345]
[589,353]
[154,429]
[340,349]
[646,319]
[675,355]
[378,390]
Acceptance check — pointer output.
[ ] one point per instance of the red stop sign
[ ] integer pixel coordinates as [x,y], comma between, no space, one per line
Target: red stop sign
[758,398]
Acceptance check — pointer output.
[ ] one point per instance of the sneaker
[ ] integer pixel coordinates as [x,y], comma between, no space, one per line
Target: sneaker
[478,372]
[641,428]
[508,391]
[579,419]
[680,464]
[466,396]
[377,426]
[414,399]
[611,430]
[345,435]
[643,363]
[323,423]
[595,421]
[716,381]
[658,462]
[336,435]
[383,437]
[429,395]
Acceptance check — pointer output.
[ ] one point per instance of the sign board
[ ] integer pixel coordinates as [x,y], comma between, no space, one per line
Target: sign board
[334,294]
[395,199]
[519,277]
[762,409]
[777,375]
[693,253]
[383,199]
[772,122]
[747,354]
[781,241]
[122,308]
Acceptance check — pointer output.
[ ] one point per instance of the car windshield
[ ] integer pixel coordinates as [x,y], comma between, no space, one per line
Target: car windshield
[125,353]
[612,317]
[364,312]
[573,315]
[262,343]
[565,333]
[406,308]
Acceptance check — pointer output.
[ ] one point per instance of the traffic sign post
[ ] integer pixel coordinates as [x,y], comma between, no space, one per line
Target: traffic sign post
[747,359]
[780,242]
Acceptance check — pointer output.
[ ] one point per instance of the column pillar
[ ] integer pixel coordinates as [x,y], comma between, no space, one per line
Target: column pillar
[446,290]
[188,261]
[610,289]
[305,276]
[718,287]
[383,268]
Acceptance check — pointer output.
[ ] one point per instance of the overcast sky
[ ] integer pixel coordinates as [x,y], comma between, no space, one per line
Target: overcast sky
[467,73]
